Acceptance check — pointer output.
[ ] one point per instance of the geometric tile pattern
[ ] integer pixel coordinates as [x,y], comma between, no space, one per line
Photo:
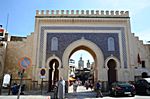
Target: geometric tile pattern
[97,41]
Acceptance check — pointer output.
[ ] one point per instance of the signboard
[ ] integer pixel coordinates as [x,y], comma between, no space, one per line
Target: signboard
[6,80]
[2,32]
[24,62]
[43,72]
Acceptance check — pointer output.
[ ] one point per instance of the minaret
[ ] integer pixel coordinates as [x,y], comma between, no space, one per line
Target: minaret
[88,64]
[81,63]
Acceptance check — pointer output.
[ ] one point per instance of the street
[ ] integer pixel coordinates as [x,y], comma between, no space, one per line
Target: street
[82,93]
[77,96]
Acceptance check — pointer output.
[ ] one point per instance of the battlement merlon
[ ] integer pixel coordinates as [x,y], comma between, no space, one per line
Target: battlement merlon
[84,13]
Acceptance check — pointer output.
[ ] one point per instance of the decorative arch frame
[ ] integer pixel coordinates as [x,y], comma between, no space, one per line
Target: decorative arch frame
[51,58]
[99,58]
[115,59]
[117,64]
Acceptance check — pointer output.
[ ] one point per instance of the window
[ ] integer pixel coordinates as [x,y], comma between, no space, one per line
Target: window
[143,64]
[54,44]
[111,44]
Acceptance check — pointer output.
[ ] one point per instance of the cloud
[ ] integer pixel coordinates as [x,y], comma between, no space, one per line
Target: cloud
[134,6]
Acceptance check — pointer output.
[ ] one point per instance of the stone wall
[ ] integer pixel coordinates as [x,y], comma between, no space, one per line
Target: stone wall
[3,45]
[15,51]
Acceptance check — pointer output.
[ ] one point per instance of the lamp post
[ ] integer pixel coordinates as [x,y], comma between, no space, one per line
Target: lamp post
[21,76]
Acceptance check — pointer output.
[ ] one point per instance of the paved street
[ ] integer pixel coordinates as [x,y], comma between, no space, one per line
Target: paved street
[82,93]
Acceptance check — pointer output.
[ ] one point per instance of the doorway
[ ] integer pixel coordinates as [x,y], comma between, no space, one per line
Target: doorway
[111,71]
[53,73]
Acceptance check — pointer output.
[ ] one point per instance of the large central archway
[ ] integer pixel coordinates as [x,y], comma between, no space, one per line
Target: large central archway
[89,46]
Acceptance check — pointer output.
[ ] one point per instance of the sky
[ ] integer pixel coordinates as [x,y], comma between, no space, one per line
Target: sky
[21,13]
[85,57]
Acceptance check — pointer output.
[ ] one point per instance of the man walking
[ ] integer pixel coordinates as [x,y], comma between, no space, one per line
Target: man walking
[61,88]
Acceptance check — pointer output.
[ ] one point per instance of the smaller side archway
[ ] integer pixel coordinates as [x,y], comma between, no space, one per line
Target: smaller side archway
[53,64]
[112,65]
[112,71]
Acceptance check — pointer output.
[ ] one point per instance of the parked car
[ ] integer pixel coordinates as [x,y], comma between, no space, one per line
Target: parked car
[122,88]
[142,86]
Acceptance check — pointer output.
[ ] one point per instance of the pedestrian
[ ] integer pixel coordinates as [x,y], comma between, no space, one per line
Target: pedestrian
[55,90]
[91,84]
[61,88]
[86,84]
[98,89]
[22,89]
[75,85]
[15,89]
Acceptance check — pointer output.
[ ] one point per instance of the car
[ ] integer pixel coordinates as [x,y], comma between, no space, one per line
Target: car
[142,86]
[122,88]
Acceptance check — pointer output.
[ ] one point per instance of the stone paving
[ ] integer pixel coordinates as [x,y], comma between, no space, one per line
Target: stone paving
[81,93]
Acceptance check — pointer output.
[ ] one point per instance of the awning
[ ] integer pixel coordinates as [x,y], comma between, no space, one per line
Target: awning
[71,79]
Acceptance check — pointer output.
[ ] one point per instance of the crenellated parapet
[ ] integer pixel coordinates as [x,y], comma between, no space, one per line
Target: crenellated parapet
[84,13]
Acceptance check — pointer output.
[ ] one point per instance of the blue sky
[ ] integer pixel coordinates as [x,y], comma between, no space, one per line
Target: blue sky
[85,57]
[22,13]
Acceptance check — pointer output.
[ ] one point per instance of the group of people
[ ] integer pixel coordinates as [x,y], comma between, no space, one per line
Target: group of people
[98,87]
[15,89]
[59,88]
[88,84]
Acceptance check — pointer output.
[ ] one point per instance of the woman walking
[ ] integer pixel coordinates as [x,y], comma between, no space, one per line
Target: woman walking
[98,89]
[75,85]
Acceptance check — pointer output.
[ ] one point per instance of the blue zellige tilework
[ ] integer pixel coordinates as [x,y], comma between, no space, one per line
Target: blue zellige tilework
[100,39]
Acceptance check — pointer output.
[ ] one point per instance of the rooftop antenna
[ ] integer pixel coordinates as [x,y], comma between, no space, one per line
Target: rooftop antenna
[7,22]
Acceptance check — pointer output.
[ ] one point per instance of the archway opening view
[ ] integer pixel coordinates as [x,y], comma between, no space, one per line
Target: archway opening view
[81,72]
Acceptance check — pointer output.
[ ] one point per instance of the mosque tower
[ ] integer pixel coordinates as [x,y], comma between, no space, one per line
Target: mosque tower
[88,64]
[80,63]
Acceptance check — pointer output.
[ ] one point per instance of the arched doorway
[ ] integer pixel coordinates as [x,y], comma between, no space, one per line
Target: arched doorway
[84,67]
[111,64]
[89,46]
[53,73]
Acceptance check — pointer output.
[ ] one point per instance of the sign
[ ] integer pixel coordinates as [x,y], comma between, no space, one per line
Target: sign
[2,32]
[25,62]
[43,72]
[6,80]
